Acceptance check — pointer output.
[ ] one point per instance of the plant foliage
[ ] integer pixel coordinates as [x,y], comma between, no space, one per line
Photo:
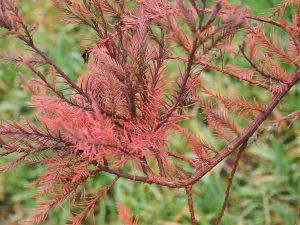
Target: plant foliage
[117,119]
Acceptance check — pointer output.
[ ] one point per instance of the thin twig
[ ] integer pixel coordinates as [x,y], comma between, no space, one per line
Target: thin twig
[31,44]
[236,163]
[160,164]
[225,71]
[190,62]
[259,70]
[188,190]
[250,130]
[293,115]
[184,159]
[297,220]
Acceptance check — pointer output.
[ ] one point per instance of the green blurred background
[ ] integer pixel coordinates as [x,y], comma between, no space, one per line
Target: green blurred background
[266,187]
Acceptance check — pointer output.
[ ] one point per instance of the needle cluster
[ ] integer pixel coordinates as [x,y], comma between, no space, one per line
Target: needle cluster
[118,118]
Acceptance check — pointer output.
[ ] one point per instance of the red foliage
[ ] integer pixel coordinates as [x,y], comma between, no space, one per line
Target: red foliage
[121,115]
[124,215]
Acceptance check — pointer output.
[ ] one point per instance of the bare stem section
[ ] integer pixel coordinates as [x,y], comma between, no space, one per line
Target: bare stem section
[297,220]
[236,163]
[188,190]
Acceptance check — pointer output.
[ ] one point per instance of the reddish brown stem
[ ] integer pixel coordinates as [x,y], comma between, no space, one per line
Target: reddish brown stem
[145,167]
[188,190]
[260,70]
[228,72]
[293,115]
[236,163]
[160,164]
[297,220]
[256,18]
[178,156]
[247,133]
[190,63]
[250,130]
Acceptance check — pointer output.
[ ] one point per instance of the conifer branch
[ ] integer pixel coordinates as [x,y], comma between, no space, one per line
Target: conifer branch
[132,101]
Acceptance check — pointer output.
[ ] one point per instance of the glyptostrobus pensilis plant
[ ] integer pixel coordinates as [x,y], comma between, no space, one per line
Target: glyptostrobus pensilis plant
[119,117]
